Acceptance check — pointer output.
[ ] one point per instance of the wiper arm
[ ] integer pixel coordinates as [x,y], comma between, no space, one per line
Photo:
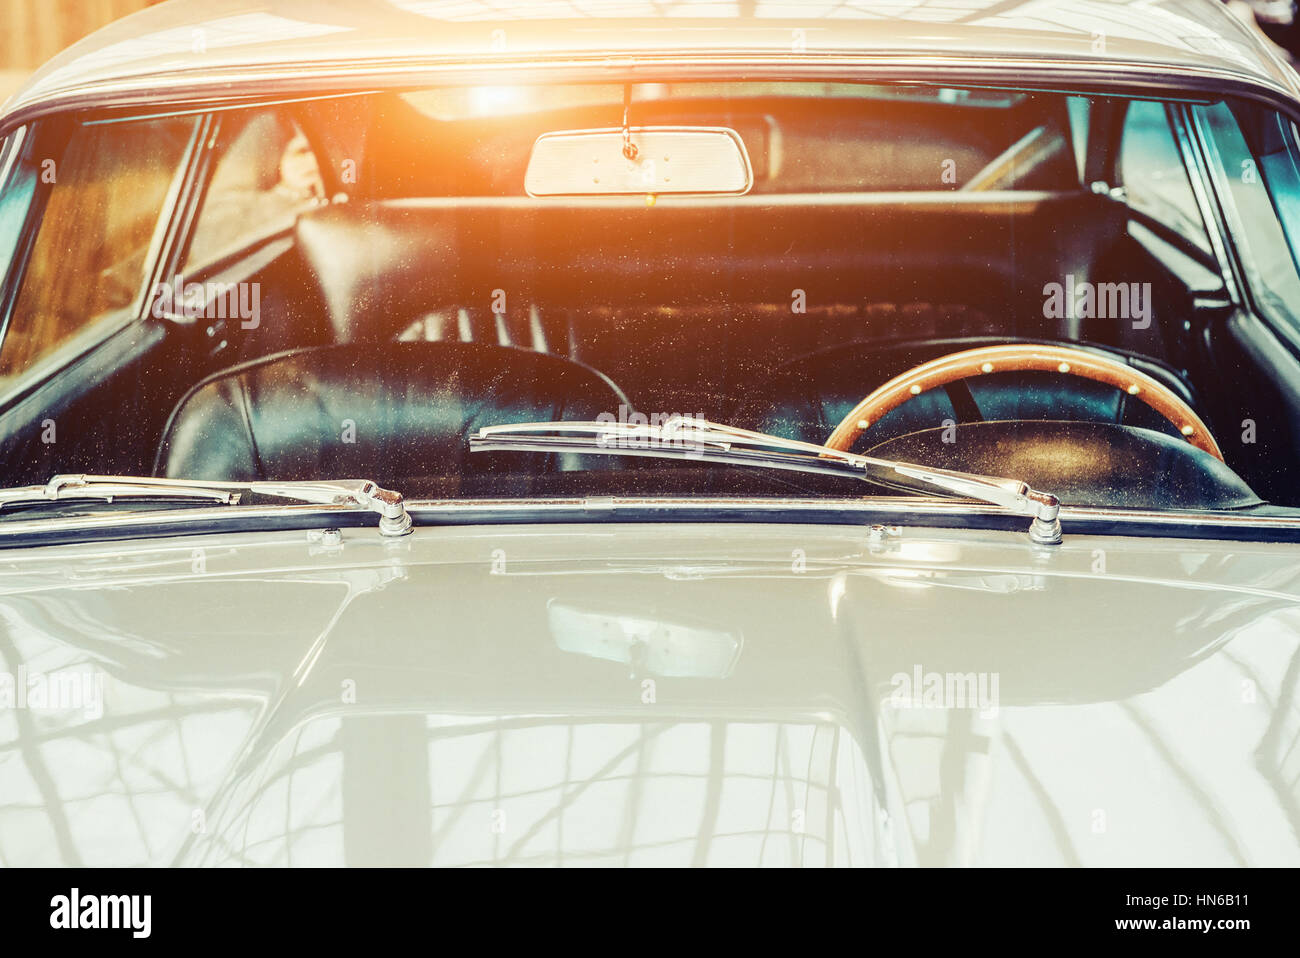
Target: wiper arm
[1012,494]
[681,437]
[108,488]
[363,493]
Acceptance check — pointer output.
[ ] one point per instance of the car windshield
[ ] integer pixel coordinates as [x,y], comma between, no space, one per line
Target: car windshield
[1044,286]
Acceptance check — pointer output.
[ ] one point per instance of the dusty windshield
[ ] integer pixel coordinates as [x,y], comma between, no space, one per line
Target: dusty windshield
[1009,283]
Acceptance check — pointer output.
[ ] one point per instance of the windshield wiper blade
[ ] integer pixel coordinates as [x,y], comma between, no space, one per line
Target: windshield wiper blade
[108,488]
[698,440]
[394,520]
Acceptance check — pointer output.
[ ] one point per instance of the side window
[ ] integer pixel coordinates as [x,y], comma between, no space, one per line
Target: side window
[17,188]
[1153,174]
[107,188]
[266,175]
[1249,184]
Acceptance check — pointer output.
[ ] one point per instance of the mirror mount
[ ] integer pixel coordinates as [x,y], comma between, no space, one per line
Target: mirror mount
[629,148]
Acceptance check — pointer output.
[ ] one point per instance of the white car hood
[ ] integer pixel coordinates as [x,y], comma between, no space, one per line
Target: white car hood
[653,694]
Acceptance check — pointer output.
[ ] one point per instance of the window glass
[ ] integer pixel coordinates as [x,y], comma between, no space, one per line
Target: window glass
[17,187]
[1154,175]
[433,297]
[1260,240]
[267,174]
[805,138]
[107,190]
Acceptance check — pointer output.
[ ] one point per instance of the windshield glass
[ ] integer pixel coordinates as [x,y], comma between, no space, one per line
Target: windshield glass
[1007,283]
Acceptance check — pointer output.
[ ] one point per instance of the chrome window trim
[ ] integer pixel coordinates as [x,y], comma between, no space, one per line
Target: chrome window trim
[180,199]
[180,521]
[1229,223]
[1203,187]
[257,103]
[12,279]
[243,87]
[10,150]
[162,523]
[922,507]
[1223,209]
[253,88]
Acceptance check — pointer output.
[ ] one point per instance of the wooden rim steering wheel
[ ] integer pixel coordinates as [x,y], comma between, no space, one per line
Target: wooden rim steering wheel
[1020,357]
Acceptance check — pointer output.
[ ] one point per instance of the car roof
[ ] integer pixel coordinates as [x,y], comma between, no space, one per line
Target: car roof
[188,43]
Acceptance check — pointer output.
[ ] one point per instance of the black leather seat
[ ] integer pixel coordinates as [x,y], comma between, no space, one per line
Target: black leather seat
[808,398]
[383,266]
[386,412]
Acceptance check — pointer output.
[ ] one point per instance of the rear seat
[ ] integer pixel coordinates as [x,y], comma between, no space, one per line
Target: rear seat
[704,279]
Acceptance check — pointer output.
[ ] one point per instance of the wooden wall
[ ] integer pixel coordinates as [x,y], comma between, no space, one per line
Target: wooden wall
[32,31]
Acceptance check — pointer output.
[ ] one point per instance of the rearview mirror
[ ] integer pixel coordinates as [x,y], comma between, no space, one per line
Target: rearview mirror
[703,160]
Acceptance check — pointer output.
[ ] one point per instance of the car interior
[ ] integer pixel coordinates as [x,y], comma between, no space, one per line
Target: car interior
[414,293]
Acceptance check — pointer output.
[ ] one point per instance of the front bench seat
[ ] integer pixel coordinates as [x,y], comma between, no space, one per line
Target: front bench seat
[386,412]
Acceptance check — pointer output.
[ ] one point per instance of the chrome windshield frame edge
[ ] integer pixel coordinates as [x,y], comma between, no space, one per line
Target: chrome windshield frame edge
[192,516]
[920,506]
[249,84]
[199,520]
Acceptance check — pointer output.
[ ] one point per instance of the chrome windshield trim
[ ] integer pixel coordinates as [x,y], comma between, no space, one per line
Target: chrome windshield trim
[10,151]
[1201,177]
[249,85]
[181,519]
[197,520]
[920,506]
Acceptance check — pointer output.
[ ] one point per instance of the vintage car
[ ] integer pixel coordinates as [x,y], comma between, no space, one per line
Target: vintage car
[605,433]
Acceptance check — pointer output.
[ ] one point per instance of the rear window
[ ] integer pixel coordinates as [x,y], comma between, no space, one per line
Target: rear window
[800,137]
